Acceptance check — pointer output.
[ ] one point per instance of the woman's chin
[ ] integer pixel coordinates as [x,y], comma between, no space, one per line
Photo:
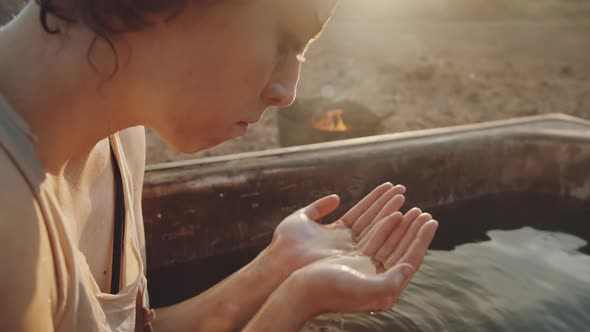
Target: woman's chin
[191,145]
[200,146]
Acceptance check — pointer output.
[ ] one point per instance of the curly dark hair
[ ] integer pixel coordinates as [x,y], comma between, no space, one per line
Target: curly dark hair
[108,17]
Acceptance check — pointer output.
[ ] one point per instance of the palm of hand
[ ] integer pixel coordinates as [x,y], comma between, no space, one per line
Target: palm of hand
[312,239]
[373,278]
[304,240]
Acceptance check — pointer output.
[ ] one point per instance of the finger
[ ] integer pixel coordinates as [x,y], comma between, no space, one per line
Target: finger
[353,214]
[415,254]
[392,206]
[369,215]
[370,244]
[322,207]
[393,285]
[384,222]
[407,240]
[398,276]
[407,277]
[392,241]
[379,291]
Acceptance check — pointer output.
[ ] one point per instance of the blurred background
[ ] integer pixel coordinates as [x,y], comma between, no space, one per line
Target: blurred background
[433,63]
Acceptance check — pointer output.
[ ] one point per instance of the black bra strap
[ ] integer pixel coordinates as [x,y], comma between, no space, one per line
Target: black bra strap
[119,229]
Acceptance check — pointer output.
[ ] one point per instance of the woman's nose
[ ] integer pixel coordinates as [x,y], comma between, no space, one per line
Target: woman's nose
[280,94]
[282,86]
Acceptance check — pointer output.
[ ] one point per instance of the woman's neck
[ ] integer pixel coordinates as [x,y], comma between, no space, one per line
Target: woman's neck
[48,81]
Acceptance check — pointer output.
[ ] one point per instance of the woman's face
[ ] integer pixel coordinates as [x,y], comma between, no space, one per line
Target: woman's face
[207,74]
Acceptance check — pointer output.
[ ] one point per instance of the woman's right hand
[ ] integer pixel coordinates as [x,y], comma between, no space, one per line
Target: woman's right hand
[373,280]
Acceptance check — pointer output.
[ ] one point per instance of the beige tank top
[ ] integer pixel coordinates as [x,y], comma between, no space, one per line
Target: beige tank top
[80,305]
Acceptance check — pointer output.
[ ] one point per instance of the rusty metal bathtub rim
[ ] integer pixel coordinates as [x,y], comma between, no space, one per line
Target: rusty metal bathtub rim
[531,128]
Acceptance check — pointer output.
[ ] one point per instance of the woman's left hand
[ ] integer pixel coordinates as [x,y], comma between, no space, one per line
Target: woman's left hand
[300,240]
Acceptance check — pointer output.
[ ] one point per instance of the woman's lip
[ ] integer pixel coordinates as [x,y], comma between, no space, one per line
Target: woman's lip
[243,125]
[247,122]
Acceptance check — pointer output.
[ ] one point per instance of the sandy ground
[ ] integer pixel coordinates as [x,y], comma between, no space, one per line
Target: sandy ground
[436,72]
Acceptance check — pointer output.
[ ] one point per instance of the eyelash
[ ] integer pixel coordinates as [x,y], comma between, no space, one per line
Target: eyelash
[301,57]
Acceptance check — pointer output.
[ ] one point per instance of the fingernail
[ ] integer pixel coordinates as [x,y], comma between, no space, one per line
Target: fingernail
[404,273]
[407,271]
[397,214]
[401,196]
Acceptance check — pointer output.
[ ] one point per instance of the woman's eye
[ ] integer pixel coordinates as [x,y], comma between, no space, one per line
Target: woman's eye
[292,46]
[299,51]
[301,57]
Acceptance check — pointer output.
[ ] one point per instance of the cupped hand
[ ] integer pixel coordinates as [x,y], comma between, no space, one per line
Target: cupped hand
[300,240]
[373,279]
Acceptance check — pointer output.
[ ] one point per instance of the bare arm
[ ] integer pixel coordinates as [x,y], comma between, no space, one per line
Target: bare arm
[285,310]
[228,305]
[27,280]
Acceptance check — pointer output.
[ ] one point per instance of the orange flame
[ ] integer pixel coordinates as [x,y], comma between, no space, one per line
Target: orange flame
[331,121]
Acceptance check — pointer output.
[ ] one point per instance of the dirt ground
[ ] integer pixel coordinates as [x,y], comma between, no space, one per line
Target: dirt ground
[436,63]
[437,68]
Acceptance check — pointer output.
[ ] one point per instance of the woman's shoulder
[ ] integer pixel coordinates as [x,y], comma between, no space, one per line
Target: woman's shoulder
[20,215]
[28,280]
[17,194]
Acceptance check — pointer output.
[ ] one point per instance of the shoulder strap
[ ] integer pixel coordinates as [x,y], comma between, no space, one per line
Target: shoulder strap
[17,141]
[119,229]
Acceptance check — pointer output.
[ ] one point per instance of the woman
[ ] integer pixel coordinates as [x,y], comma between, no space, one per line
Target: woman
[79,80]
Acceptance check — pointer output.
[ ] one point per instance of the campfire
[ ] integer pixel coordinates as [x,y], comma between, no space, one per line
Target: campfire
[331,120]
[319,120]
